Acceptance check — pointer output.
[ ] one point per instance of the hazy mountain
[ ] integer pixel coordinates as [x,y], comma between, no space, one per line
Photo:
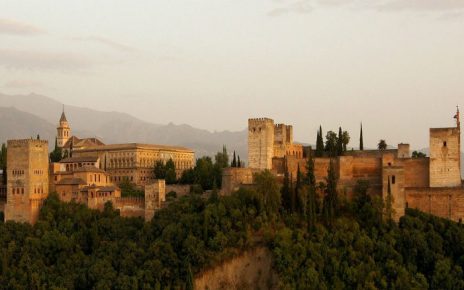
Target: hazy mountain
[28,114]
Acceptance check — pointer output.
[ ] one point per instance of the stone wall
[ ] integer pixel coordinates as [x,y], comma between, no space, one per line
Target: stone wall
[233,178]
[130,206]
[179,189]
[155,196]
[443,202]
[445,157]
[416,172]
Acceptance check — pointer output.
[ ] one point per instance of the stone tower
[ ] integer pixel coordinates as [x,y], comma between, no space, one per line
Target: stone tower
[260,143]
[27,179]
[63,131]
[155,196]
[445,156]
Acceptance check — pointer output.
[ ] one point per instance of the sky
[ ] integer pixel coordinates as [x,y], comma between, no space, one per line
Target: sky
[396,66]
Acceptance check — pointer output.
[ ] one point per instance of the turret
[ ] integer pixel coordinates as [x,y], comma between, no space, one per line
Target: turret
[63,131]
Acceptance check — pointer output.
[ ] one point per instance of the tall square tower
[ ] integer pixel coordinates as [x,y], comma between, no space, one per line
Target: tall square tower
[445,157]
[260,143]
[27,179]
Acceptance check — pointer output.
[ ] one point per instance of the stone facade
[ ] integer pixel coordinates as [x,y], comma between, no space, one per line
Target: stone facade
[133,162]
[432,184]
[27,179]
[445,157]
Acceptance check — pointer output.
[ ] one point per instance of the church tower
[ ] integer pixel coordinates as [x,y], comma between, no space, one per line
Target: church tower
[63,131]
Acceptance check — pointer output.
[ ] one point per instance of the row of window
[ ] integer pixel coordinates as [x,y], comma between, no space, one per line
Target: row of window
[18,172]
[18,190]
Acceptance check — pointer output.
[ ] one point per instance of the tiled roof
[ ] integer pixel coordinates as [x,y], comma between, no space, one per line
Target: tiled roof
[71,181]
[80,159]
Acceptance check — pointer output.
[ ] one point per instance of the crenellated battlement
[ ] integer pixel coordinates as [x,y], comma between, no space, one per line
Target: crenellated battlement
[260,120]
[26,142]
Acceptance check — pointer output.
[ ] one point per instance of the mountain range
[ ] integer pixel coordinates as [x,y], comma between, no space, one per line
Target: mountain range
[23,116]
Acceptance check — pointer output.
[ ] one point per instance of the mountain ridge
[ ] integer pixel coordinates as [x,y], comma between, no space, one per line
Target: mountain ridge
[113,127]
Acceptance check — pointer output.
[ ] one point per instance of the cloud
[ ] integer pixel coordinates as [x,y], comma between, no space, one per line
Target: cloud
[8,26]
[424,5]
[23,84]
[302,6]
[43,60]
[107,42]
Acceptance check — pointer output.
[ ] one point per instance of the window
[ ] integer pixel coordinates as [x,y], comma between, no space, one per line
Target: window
[393,179]
[444,144]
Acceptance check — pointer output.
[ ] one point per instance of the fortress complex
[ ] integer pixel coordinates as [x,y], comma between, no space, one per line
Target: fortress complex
[432,184]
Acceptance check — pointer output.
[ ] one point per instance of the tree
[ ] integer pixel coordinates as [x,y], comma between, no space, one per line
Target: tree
[239,163]
[311,183]
[285,190]
[170,169]
[382,145]
[296,194]
[3,157]
[234,161]
[160,170]
[222,158]
[418,154]
[57,154]
[389,203]
[319,143]
[345,139]
[361,139]
[330,206]
[331,143]
[340,142]
[268,190]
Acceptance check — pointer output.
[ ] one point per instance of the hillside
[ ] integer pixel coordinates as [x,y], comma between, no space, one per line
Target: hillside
[113,127]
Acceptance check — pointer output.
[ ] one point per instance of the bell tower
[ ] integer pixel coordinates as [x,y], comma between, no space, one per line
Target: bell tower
[63,131]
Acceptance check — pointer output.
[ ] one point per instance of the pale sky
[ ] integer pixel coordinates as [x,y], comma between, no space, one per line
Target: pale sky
[395,65]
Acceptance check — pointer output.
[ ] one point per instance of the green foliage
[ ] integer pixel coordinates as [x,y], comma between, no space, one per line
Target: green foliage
[160,170]
[57,154]
[73,247]
[417,154]
[2,216]
[421,252]
[382,145]
[340,142]
[361,139]
[129,189]
[331,143]
[205,173]
[171,177]
[3,162]
[330,205]
[319,143]
[234,161]
[268,191]
[345,140]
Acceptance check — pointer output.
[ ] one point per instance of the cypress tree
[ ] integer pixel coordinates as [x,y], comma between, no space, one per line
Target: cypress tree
[234,161]
[389,203]
[239,163]
[190,279]
[340,142]
[319,143]
[331,196]
[361,141]
[285,191]
[311,182]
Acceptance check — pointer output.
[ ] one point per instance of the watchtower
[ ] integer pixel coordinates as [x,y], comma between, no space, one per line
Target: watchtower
[260,143]
[445,156]
[27,179]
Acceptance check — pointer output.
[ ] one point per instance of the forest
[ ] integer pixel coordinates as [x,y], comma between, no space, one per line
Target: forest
[318,242]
